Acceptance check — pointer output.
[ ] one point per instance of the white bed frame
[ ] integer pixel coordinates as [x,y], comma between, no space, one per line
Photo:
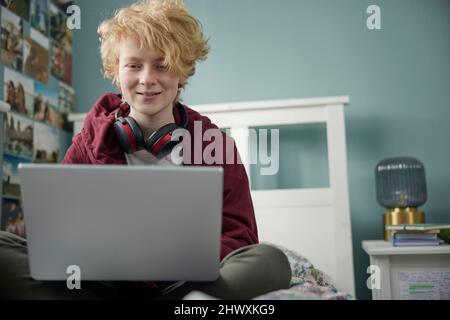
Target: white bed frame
[313,222]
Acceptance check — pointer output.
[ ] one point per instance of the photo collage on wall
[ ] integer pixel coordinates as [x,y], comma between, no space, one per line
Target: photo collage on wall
[37,79]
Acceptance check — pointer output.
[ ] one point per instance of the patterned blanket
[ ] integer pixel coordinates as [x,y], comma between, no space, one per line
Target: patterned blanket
[307,283]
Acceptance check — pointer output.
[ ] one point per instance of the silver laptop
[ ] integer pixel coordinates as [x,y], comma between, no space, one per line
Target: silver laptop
[123,222]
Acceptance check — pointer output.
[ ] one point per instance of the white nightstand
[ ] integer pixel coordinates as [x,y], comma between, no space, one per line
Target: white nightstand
[410,272]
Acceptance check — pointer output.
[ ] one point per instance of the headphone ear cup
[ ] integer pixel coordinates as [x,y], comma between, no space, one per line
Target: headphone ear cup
[136,133]
[129,134]
[159,143]
[124,134]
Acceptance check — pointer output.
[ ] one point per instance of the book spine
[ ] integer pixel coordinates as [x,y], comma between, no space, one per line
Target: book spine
[415,236]
[405,243]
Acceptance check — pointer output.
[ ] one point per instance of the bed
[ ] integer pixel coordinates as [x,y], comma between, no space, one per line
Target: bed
[322,267]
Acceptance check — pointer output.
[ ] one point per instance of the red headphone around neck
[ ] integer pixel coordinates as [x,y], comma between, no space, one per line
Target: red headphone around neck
[131,138]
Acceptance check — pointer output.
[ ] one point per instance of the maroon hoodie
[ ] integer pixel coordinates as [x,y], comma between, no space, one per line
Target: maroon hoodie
[97,144]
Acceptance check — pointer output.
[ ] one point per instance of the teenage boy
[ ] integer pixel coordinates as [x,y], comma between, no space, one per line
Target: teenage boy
[149,50]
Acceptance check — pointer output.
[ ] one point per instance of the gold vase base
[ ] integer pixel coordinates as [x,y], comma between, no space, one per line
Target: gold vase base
[397,216]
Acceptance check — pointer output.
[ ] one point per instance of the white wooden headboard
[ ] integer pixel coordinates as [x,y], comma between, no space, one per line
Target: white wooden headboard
[314,222]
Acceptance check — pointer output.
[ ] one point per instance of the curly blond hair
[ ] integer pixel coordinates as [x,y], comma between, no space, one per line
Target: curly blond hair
[162,25]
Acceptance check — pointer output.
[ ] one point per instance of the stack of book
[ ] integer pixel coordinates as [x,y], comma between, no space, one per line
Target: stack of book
[424,234]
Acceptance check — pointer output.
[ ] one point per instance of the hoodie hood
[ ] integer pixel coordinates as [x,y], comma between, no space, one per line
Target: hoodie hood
[98,135]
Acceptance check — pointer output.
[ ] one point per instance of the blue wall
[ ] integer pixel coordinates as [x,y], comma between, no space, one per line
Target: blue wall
[398,80]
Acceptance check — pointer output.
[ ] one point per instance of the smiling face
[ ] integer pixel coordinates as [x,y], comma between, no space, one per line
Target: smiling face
[146,84]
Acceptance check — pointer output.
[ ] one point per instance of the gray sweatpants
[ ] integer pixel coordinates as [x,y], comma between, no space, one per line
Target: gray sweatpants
[245,273]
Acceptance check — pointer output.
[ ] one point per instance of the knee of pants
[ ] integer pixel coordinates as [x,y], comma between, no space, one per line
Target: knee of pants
[269,255]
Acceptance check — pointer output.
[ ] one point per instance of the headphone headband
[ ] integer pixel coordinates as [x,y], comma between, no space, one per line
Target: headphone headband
[124,110]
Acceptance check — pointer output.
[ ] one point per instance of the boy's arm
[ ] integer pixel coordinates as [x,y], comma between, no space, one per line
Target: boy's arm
[239,224]
[75,154]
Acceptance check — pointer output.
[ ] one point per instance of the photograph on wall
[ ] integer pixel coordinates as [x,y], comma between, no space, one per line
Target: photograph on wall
[67,98]
[36,56]
[38,15]
[67,104]
[11,180]
[61,63]
[57,60]
[67,39]
[46,144]
[67,78]
[17,135]
[65,141]
[12,40]
[12,217]
[58,27]
[63,4]
[46,105]
[18,92]
[19,7]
